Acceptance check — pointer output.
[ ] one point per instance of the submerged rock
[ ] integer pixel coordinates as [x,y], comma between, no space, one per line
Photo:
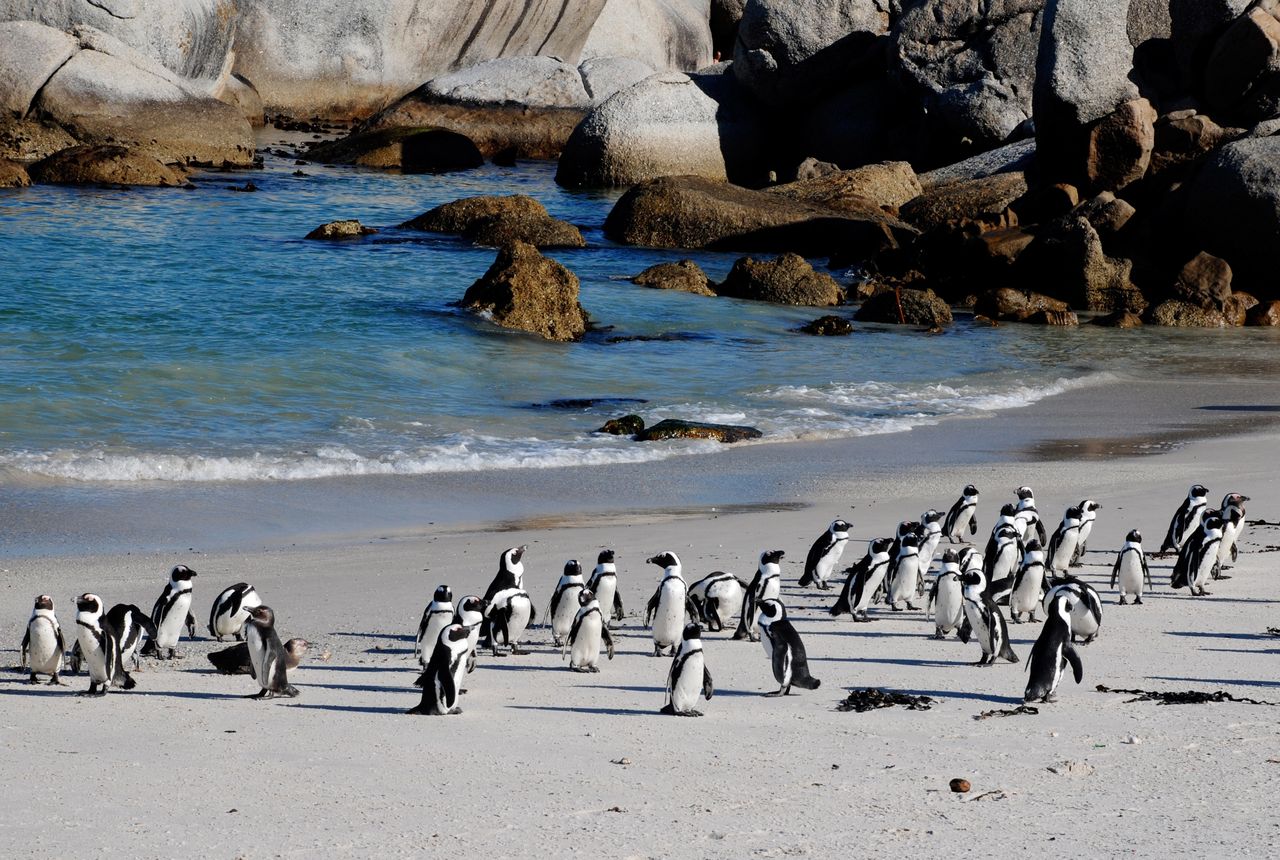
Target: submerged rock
[1264,314]
[350,229]
[787,280]
[526,291]
[13,174]
[684,276]
[827,326]
[1119,319]
[672,428]
[1205,281]
[411,150]
[905,307]
[105,165]
[1008,304]
[500,221]
[1176,312]
[627,425]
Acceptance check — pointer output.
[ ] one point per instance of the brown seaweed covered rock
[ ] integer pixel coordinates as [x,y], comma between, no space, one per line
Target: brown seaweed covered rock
[787,280]
[827,326]
[672,428]
[410,149]
[905,307]
[1008,304]
[684,276]
[104,165]
[348,229]
[500,221]
[527,291]
[626,425]
[13,174]
[1176,312]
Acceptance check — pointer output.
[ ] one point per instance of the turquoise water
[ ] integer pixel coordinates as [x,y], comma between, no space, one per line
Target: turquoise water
[160,335]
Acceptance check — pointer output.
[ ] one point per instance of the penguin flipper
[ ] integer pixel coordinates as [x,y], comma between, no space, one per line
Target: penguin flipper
[1146,572]
[965,633]
[608,639]
[652,606]
[1115,568]
[1006,651]
[26,644]
[707,689]
[973,522]
[617,606]
[1073,657]
[62,645]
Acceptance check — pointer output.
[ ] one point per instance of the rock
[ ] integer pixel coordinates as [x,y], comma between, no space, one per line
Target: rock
[1012,158]
[888,185]
[1067,261]
[812,168]
[604,76]
[1264,313]
[865,122]
[410,150]
[1107,213]
[627,425]
[960,786]
[526,291]
[999,249]
[906,307]
[1175,312]
[1182,140]
[29,55]
[31,139]
[1046,202]
[1058,318]
[104,165]
[240,94]
[668,35]
[972,65]
[1242,74]
[13,174]
[984,202]
[1194,30]
[500,221]
[827,326]
[521,81]
[1237,306]
[1233,209]
[667,125]
[671,428]
[1205,281]
[1120,146]
[1119,319]
[790,54]
[787,280]
[350,229]
[1008,304]
[725,15]
[692,212]
[683,276]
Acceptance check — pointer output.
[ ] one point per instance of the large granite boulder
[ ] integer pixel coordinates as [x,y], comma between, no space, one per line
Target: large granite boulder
[407,149]
[604,76]
[1011,158]
[692,212]
[1067,261]
[905,307]
[790,54]
[1120,146]
[526,291]
[1195,26]
[1242,73]
[105,165]
[961,203]
[725,15]
[684,276]
[500,221]
[29,55]
[787,280]
[666,35]
[667,125]
[888,185]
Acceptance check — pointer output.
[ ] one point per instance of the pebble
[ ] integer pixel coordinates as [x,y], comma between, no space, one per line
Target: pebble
[960,786]
[1133,739]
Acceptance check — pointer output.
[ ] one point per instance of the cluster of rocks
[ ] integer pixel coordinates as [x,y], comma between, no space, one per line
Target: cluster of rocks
[675,428]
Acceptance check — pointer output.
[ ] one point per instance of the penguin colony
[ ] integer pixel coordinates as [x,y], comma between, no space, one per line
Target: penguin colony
[1022,568]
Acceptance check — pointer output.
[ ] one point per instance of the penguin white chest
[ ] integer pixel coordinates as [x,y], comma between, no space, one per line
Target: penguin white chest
[949,606]
[521,611]
[770,588]
[606,587]
[1026,597]
[94,657]
[170,627]
[436,621]
[668,620]
[586,645]
[978,621]
[566,610]
[874,578]
[1129,579]
[688,686]
[258,657]
[43,654]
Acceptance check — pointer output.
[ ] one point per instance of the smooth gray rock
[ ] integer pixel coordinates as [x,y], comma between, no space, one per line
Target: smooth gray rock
[29,55]
[527,81]
[1014,157]
[1233,210]
[667,35]
[1082,73]
[604,76]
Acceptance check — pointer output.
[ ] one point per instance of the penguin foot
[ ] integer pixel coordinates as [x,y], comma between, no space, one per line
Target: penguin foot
[894,608]
[33,679]
[688,713]
[54,682]
[454,711]
[261,694]
[911,606]
[1137,601]
[774,694]
[1049,699]
[580,669]
[518,652]
[129,683]
[1222,576]
[938,635]
[1123,602]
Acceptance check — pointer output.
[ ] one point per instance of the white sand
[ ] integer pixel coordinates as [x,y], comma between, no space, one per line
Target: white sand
[182,767]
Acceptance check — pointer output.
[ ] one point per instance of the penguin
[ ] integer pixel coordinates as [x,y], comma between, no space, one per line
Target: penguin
[98,645]
[268,662]
[983,619]
[946,597]
[962,519]
[1130,569]
[563,608]
[904,574]
[766,585]
[1001,563]
[931,522]
[170,615]
[510,613]
[1232,514]
[1086,614]
[510,576]
[129,624]
[786,651]
[441,681]
[42,644]
[689,677]
[469,612]
[1028,584]
[586,635]
[1062,546]
[235,660]
[1198,557]
[437,616]
[604,584]
[1088,514]
[718,598]
[864,580]
[1186,519]
[230,611]
[825,554]
[1008,518]
[1029,515]
[1052,652]
[669,605]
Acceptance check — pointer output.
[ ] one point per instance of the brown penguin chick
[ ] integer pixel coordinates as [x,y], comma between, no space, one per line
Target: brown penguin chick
[235,660]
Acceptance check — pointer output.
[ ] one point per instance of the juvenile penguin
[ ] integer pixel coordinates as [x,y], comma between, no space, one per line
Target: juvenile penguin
[437,616]
[904,576]
[128,624]
[230,611]
[1062,546]
[587,634]
[668,606]
[1052,652]
[1028,584]
[42,644]
[984,621]
[1198,557]
[169,614]
[1186,519]
[1232,514]
[946,597]
[604,584]
[98,645]
[825,554]
[1027,514]
[1130,569]
[688,678]
[564,601]
[1086,612]
[786,651]
[864,580]
[510,575]
[441,681]
[765,585]
[235,660]
[718,597]
[962,519]
[1088,515]
[268,661]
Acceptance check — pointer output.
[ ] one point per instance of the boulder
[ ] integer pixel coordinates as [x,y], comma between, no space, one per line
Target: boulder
[1067,261]
[1046,202]
[1106,213]
[1205,281]
[1120,146]
[668,35]
[1184,314]
[684,276]
[667,125]
[31,139]
[29,55]
[604,76]
[526,291]
[787,280]
[867,121]
[671,428]
[241,95]
[1242,74]
[1233,210]
[1182,140]
[828,326]
[13,174]
[1264,313]
[692,212]
[1195,26]
[521,81]
[1012,158]
[500,221]
[812,168]
[350,229]
[1119,319]
[725,15]
[409,150]
[887,185]
[626,425]
[1237,306]
[104,165]
[905,307]
[972,65]
[790,54]
[1008,304]
[1058,318]
[982,202]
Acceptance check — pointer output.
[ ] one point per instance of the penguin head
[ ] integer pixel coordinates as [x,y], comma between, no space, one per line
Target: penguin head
[572,568]
[262,617]
[444,594]
[470,603]
[950,557]
[1008,510]
[457,633]
[1211,522]
[772,610]
[1064,602]
[930,516]
[89,603]
[297,647]
[910,540]
[1197,491]
[839,526]
[1032,545]
[585,596]
[512,557]
[880,545]
[664,559]
[692,630]
[1089,505]
[972,577]
[181,573]
[1231,500]
[771,556]
[1025,493]
[1073,513]
[606,557]
[1134,536]
[970,490]
[44,601]
[906,527]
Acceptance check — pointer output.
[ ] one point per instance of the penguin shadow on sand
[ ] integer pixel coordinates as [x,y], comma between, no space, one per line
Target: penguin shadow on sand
[960,694]
[1210,634]
[604,712]
[353,709]
[1226,682]
[658,691]
[383,637]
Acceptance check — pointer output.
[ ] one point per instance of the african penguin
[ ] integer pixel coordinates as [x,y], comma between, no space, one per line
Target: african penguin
[1198,556]
[688,678]
[864,580]
[230,610]
[1130,569]
[1062,546]
[437,616]
[962,519]
[765,585]
[1088,515]
[786,651]
[510,613]
[1086,613]
[983,620]
[98,645]
[931,522]
[904,574]
[1232,514]
[1002,564]
[169,614]
[604,584]
[42,644]
[1027,514]
[441,680]
[1028,584]
[825,554]
[510,576]
[1052,652]
[563,607]
[1186,519]
[718,597]
[268,662]
[587,634]
[235,660]
[946,598]
[669,605]
[469,612]
[129,623]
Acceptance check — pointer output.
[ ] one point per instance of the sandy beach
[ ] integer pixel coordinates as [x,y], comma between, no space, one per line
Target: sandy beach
[545,761]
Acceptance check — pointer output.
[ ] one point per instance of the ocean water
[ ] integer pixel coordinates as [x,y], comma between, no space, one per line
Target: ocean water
[168,335]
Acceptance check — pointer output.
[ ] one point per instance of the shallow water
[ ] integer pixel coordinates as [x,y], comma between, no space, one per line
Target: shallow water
[161,335]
